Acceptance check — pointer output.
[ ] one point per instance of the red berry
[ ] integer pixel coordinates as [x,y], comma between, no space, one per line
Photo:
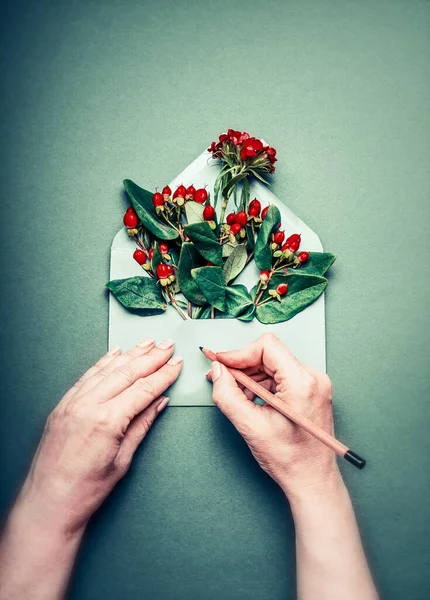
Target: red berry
[264,213]
[169,270]
[180,192]
[264,276]
[208,213]
[241,218]
[151,253]
[164,248]
[157,199]
[293,243]
[166,191]
[231,219]
[209,264]
[130,219]
[200,195]
[303,257]
[130,209]
[235,228]
[191,190]
[254,206]
[282,289]
[139,256]
[278,237]
[162,271]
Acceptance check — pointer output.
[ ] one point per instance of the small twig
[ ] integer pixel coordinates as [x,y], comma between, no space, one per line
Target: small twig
[212,312]
[190,310]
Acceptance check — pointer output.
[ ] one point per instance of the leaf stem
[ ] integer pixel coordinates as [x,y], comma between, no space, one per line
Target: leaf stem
[212,312]
[264,301]
[173,303]
[190,310]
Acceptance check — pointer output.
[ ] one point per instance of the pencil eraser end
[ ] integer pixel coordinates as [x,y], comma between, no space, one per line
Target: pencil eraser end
[354,459]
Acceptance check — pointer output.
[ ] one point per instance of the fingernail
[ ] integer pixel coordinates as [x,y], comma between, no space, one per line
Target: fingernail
[216,370]
[162,404]
[147,343]
[166,344]
[208,373]
[175,360]
[113,351]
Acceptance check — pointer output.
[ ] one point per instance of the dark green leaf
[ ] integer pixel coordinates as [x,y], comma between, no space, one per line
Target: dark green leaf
[262,251]
[157,257]
[239,305]
[211,282]
[318,263]
[205,241]
[141,201]
[189,259]
[139,294]
[227,189]
[302,291]
[194,212]
[227,249]
[235,263]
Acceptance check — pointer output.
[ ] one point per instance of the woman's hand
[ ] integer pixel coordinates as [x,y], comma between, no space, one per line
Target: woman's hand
[294,458]
[87,446]
[91,436]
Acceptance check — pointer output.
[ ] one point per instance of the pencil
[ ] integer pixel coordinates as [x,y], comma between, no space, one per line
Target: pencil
[321,435]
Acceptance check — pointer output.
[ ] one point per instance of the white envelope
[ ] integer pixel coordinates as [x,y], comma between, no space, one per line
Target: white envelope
[304,334]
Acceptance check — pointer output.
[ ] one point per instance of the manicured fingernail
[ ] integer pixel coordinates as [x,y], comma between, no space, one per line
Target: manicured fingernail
[147,343]
[162,405]
[216,370]
[166,344]
[175,360]
[113,351]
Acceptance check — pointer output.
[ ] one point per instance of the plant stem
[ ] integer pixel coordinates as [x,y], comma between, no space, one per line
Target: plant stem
[257,299]
[264,301]
[171,298]
[223,209]
[213,312]
[190,310]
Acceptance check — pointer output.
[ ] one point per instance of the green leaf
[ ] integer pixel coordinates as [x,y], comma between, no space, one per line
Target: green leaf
[211,282]
[227,249]
[302,291]
[189,259]
[138,294]
[205,241]
[318,263]
[157,257]
[235,263]
[227,189]
[194,212]
[239,305]
[141,201]
[262,251]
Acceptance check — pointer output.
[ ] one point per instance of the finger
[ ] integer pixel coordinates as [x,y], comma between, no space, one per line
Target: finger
[125,375]
[100,364]
[139,396]
[229,398]
[267,351]
[138,430]
[139,350]
[266,383]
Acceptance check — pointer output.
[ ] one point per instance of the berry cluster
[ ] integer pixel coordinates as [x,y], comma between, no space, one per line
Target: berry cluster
[245,147]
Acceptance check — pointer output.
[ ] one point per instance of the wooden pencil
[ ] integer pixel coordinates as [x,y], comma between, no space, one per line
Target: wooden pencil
[282,407]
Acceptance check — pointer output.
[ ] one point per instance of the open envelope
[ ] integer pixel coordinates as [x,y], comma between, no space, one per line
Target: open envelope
[304,334]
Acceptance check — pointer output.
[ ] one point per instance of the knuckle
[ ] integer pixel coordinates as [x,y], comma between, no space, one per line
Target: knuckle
[147,387]
[269,338]
[325,386]
[127,372]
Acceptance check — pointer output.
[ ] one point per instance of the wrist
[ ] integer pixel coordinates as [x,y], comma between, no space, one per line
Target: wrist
[308,490]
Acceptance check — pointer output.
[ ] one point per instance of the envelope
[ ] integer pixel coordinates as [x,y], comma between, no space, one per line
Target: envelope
[304,334]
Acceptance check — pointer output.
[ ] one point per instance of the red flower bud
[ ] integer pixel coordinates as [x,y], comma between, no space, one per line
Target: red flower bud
[130,219]
[265,276]
[254,208]
[208,213]
[191,190]
[241,218]
[303,257]
[278,237]
[130,209]
[264,213]
[282,289]
[200,196]
[164,248]
[139,256]
[230,219]
[157,199]
[166,191]
[235,228]
[163,271]
[293,243]
[180,192]
[151,253]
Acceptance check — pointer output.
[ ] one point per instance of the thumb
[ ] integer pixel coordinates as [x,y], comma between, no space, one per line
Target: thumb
[229,397]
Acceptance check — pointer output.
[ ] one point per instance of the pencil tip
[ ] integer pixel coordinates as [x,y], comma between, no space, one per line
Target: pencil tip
[201,348]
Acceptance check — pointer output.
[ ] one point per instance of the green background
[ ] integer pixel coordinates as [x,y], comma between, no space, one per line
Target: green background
[96,91]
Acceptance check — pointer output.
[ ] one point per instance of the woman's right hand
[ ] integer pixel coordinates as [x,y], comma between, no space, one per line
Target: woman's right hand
[290,455]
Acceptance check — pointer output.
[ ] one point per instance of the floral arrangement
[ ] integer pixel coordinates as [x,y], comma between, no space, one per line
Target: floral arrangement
[191,258]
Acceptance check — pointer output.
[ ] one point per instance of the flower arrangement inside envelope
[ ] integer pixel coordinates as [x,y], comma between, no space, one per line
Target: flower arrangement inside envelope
[192,244]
